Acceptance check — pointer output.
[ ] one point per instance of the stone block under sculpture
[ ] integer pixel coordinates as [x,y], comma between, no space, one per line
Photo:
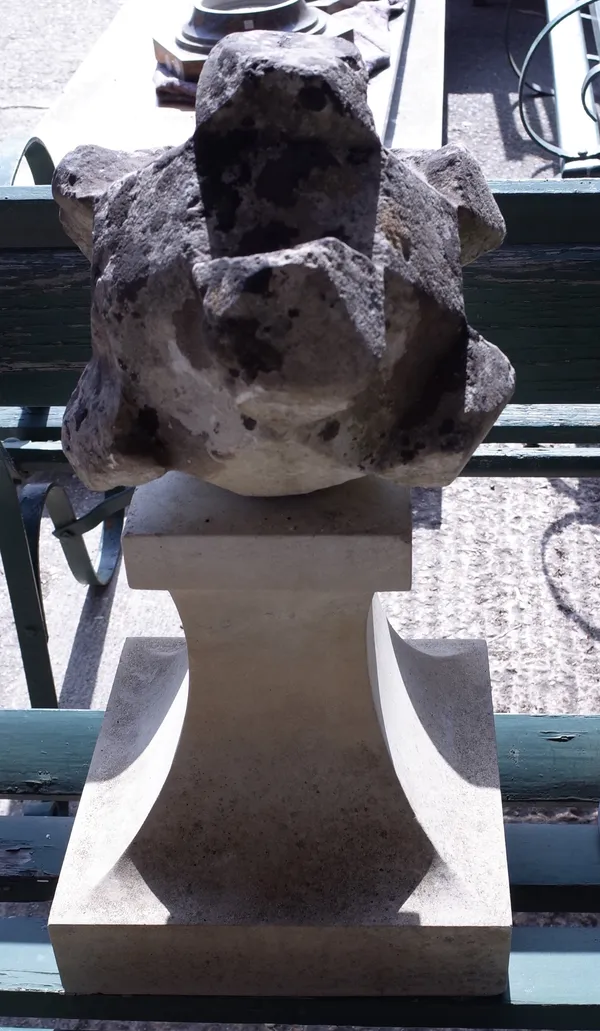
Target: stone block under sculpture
[277,304]
[315,809]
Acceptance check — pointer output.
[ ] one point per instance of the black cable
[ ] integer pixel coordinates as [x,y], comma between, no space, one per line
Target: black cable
[537,91]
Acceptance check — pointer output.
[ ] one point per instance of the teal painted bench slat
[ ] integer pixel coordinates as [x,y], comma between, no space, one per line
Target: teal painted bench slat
[541,423]
[553,983]
[45,754]
[552,867]
[566,424]
[501,460]
[32,850]
[538,298]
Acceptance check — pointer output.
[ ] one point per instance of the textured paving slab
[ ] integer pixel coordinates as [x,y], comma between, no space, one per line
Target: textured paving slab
[482,89]
[43,42]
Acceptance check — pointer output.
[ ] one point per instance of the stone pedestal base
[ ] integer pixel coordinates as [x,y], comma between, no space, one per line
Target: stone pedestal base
[279,825]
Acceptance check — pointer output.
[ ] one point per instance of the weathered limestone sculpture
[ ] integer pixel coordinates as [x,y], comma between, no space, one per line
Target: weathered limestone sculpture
[277,305]
[314,809]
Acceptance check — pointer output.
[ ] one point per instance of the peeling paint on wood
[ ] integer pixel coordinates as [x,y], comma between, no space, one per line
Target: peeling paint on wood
[531,764]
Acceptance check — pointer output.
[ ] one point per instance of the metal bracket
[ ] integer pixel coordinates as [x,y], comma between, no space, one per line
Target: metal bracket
[36,154]
[69,529]
[20,522]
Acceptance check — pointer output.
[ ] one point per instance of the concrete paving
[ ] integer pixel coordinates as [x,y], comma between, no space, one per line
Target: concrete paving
[482,88]
[42,43]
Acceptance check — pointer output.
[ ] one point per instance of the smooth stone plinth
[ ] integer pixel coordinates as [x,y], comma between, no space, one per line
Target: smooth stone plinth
[315,810]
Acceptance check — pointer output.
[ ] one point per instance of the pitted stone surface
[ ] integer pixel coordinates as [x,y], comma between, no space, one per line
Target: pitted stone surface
[454,172]
[82,178]
[277,304]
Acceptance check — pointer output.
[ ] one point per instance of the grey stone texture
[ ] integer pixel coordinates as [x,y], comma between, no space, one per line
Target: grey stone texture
[277,304]
[459,177]
[81,180]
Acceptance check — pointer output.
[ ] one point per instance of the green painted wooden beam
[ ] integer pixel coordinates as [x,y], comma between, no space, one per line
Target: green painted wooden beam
[34,456]
[43,423]
[29,218]
[539,303]
[45,758]
[539,423]
[549,211]
[489,460]
[32,850]
[512,461]
[549,758]
[553,983]
[45,753]
[51,387]
[552,867]
[502,460]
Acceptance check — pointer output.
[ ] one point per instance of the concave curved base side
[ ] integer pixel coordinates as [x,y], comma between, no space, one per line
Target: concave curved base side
[310,867]
[317,812]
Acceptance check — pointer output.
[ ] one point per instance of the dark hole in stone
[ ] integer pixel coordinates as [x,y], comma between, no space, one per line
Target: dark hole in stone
[72,179]
[147,420]
[330,430]
[312,98]
[129,291]
[252,354]
[359,155]
[293,312]
[340,234]
[248,422]
[80,416]
[281,176]
[453,442]
[259,282]
[275,236]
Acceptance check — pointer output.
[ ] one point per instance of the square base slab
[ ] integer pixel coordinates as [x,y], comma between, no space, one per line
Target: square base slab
[386,914]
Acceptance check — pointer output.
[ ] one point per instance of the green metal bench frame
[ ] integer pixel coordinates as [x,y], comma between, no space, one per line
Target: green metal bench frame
[22,504]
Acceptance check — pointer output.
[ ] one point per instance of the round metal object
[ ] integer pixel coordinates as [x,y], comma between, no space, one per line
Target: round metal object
[213,19]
